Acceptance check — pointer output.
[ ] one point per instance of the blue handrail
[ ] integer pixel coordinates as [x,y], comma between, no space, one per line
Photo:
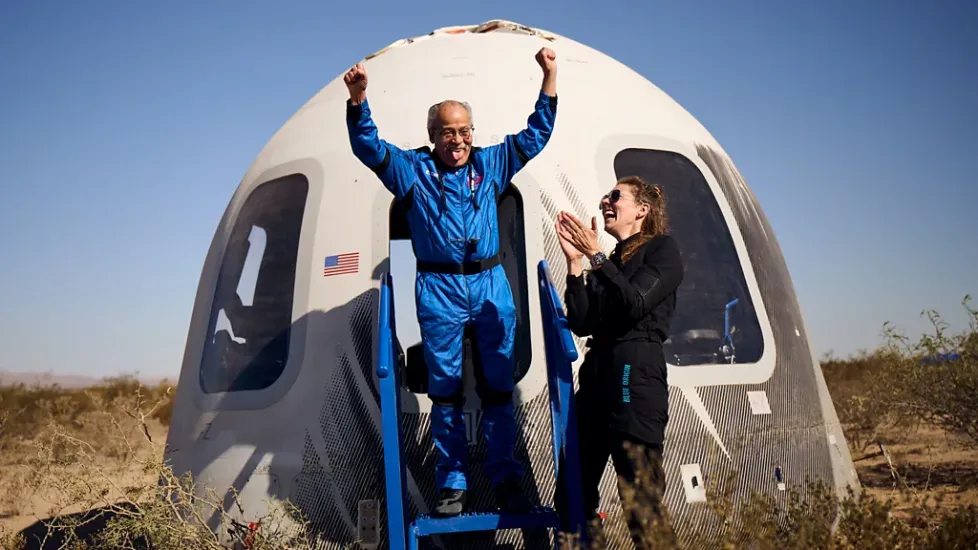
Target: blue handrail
[561,352]
[390,409]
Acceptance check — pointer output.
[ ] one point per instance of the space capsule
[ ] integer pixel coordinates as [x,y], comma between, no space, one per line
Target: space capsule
[278,395]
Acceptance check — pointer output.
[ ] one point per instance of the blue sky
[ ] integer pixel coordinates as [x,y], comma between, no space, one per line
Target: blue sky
[126,126]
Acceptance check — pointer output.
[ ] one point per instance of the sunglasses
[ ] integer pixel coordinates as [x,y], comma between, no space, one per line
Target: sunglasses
[613,196]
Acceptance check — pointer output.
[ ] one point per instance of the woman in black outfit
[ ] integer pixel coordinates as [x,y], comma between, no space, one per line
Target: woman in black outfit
[624,309]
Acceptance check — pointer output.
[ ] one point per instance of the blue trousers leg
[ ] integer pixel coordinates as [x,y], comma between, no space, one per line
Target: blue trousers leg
[495,327]
[448,432]
[441,320]
[499,427]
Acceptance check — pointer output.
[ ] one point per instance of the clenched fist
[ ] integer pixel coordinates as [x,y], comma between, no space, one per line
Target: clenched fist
[356,82]
[547,60]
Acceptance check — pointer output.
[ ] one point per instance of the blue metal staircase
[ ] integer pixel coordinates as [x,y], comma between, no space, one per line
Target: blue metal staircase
[560,353]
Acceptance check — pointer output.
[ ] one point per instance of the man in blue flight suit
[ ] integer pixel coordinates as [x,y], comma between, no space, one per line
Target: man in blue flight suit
[452,191]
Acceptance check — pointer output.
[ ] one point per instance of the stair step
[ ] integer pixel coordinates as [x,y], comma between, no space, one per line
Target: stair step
[543,517]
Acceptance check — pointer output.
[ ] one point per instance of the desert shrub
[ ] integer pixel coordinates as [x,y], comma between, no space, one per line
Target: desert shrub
[813,516]
[942,392]
[27,408]
[860,387]
[87,485]
[906,383]
[801,518]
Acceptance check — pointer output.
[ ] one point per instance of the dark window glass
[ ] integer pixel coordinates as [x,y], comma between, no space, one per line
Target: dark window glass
[247,343]
[512,249]
[713,278]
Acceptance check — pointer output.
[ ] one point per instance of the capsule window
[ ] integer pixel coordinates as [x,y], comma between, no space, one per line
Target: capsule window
[247,345]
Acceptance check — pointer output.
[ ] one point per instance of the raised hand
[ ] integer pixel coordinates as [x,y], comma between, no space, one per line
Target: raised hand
[582,238]
[570,252]
[356,82]
[547,60]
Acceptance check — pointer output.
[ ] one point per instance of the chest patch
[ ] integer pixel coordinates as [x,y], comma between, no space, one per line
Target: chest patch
[475,180]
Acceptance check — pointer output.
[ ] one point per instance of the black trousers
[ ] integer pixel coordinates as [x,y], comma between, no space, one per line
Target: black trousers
[641,485]
[621,413]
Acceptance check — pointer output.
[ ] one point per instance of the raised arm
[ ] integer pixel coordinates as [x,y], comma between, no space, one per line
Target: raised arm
[393,165]
[581,317]
[516,150]
[659,275]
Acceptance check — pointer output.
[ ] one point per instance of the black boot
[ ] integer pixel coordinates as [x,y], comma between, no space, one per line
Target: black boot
[451,502]
[511,498]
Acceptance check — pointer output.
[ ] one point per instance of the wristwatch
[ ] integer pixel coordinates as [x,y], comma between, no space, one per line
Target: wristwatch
[598,259]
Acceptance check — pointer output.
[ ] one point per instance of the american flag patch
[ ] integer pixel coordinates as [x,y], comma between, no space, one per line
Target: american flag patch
[342,264]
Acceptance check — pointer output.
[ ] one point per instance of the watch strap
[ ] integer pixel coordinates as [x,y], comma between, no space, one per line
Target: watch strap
[598,259]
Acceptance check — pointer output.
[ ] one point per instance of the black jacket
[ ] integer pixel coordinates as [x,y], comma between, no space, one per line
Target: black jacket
[627,302]
[626,310]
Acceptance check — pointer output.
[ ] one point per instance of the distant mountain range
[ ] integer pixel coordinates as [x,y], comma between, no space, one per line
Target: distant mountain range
[67,380]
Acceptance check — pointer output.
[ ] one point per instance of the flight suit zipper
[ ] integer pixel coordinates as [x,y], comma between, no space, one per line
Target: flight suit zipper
[465,243]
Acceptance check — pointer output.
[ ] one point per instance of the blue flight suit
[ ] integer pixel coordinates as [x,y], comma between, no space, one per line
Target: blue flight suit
[455,237]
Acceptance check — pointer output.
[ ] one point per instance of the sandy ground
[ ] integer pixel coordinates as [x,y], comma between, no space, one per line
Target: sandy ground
[21,507]
[940,469]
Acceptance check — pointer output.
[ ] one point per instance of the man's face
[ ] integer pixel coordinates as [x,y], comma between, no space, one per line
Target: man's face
[453,135]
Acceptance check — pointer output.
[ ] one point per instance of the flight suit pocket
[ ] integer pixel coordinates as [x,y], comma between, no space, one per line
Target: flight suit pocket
[420,295]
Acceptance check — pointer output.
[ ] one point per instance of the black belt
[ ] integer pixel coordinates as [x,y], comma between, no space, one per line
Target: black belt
[466,268]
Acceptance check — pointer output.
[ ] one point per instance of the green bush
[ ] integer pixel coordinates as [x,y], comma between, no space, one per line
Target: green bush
[944,394]
[900,384]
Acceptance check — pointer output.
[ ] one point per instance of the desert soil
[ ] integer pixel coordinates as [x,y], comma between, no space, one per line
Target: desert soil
[21,507]
[940,469]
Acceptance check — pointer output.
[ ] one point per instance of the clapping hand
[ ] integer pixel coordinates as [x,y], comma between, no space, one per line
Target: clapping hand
[570,252]
[574,234]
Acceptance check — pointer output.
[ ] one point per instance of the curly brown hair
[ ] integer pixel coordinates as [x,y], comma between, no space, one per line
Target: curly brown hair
[656,223]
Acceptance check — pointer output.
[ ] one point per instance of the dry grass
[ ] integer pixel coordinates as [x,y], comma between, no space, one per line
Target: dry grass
[84,469]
